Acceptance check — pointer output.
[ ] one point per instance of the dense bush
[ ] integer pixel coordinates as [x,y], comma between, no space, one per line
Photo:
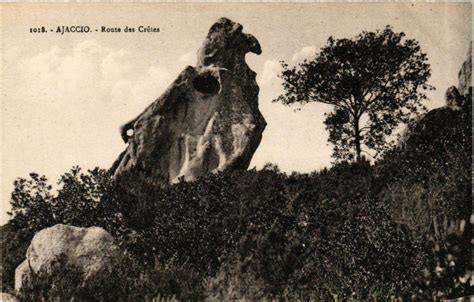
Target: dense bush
[427,186]
[288,233]
[320,249]
[430,179]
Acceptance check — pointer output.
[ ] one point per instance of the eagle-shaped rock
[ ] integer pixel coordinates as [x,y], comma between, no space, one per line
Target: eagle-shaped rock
[206,121]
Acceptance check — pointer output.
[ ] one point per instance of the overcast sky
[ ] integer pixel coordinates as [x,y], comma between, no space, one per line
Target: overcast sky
[65,96]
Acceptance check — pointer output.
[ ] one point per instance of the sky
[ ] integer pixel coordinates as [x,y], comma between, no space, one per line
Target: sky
[65,96]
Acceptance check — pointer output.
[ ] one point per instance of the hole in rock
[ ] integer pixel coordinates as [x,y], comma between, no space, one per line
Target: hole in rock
[206,83]
[130,132]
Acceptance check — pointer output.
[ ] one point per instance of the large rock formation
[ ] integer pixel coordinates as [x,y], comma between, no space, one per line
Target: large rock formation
[206,121]
[91,250]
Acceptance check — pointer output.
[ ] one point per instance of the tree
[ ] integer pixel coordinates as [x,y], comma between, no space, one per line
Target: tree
[375,81]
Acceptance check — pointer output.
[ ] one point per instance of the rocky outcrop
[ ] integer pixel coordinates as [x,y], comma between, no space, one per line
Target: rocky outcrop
[457,97]
[447,122]
[206,121]
[453,98]
[438,144]
[90,250]
[465,74]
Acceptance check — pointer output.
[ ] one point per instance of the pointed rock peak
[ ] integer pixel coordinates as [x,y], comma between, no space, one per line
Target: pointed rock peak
[465,74]
[457,97]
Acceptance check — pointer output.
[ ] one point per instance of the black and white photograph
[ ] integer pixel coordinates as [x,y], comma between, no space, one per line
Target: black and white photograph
[236,151]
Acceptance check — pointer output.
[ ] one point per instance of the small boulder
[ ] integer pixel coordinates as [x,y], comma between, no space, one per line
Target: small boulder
[22,275]
[4,297]
[90,250]
[454,100]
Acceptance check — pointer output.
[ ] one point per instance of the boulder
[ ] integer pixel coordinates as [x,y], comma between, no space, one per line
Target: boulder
[4,297]
[90,250]
[206,121]
[22,275]
[454,99]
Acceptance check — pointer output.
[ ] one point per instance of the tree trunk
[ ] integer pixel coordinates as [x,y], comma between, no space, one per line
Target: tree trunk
[357,139]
